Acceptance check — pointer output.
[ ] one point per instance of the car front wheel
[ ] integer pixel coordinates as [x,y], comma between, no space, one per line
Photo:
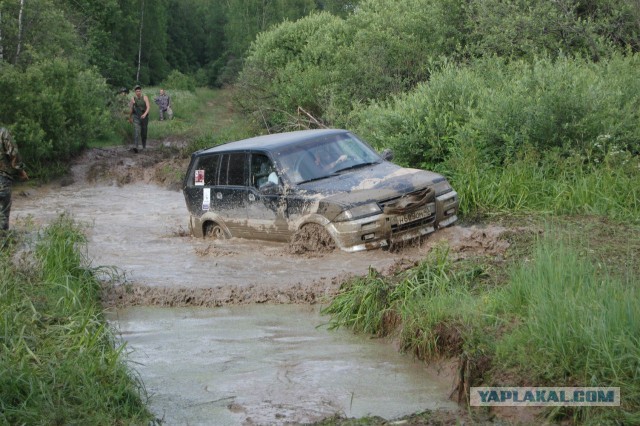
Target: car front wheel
[312,238]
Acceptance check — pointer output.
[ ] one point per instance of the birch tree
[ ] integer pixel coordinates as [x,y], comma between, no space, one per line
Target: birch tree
[140,40]
[19,31]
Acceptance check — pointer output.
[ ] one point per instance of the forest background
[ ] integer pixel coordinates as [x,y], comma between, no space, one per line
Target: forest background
[445,83]
[529,107]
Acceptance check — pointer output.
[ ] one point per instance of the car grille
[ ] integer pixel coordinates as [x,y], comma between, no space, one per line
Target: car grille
[409,205]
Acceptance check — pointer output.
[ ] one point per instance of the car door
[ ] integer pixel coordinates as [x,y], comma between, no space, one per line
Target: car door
[202,176]
[266,206]
[228,197]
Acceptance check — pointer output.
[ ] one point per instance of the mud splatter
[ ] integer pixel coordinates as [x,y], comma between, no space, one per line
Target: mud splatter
[311,240]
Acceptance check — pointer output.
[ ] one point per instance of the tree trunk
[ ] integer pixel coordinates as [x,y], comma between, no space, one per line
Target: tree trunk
[140,41]
[1,51]
[19,31]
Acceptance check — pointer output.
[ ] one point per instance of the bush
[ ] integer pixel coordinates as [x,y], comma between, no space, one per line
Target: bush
[568,106]
[54,108]
[178,81]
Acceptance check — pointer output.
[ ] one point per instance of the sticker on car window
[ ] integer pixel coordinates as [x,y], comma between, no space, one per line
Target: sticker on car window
[199,178]
[206,198]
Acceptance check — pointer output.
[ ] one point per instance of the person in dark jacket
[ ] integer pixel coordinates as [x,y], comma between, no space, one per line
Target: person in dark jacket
[139,116]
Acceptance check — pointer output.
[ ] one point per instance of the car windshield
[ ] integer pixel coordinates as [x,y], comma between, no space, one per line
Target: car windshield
[324,157]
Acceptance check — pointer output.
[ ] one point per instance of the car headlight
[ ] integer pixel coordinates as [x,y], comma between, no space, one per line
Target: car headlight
[358,212]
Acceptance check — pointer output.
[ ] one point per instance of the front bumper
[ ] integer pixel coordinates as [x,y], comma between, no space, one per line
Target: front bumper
[384,230]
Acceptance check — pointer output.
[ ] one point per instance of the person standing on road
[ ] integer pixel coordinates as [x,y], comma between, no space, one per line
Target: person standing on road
[10,167]
[164,104]
[139,116]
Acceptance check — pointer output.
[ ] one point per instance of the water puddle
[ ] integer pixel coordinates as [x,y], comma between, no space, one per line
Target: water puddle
[270,364]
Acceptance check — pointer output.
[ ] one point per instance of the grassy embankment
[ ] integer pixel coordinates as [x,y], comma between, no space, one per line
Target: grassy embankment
[560,310]
[60,362]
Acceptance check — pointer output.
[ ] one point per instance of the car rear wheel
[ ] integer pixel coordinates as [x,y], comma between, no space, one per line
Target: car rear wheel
[214,231]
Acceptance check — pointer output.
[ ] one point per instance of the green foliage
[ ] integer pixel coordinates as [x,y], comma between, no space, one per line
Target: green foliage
[577,325]
[178,81]
[525,29]
[60,362]
[361,304]
[549,136]
[555,185]
[324,64]
[57,107]
[108,30]
[501,109]
[558,319]
[46,33]
[244,20]
[426,300]
[283,71]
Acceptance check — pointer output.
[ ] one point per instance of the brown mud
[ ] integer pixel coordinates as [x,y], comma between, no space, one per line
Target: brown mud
[137,222]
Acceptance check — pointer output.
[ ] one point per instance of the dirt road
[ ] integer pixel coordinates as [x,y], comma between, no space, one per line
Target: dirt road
[137,222]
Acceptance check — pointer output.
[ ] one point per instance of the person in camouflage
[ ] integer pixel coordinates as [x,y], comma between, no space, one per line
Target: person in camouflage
[139,116]
[164,104]
[10,168]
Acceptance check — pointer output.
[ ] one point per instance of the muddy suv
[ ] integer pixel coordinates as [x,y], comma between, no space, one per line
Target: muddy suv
[278,186]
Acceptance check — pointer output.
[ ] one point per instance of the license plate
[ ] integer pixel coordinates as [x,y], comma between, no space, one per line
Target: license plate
[414,215]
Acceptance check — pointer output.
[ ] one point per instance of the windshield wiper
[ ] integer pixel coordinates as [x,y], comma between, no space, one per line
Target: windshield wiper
[355,166]
[316,178]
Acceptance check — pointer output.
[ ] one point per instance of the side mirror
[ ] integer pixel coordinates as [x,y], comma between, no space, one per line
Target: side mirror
[270,188]
[387,154]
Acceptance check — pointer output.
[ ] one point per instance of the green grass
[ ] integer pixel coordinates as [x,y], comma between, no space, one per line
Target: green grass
[204,118]
[60,362]
[578,325]
[551,186]
[565,314]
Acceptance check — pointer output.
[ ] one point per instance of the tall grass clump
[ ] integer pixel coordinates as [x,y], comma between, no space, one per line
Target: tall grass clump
[576,326]
[361,304]
[60,362]
[430,304]
[438,305]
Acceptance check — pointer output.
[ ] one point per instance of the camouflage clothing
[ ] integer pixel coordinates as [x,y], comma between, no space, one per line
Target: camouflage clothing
[10,166]
[164,102]
[5,202]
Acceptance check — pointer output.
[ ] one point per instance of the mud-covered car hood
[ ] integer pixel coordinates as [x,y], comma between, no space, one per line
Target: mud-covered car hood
[373,183]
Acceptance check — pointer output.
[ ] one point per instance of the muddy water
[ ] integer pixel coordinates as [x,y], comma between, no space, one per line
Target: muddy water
[249,364]
[266,364]
[141,229]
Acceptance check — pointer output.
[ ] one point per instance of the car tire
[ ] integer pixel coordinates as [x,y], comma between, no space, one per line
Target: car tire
[312,238]
[214,231]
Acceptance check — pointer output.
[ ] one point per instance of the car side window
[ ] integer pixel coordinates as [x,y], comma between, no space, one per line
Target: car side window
[206,172]
[262,170]
[232,169]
